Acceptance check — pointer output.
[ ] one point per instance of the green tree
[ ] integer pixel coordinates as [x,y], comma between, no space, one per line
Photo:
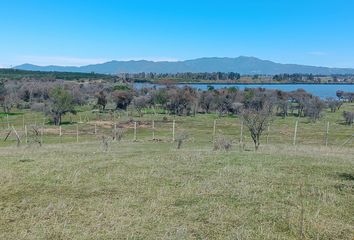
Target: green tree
[60,103]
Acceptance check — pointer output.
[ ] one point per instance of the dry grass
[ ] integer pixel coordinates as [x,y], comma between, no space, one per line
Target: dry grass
[153,191]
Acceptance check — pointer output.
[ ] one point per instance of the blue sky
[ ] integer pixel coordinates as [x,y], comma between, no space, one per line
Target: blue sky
[74,32]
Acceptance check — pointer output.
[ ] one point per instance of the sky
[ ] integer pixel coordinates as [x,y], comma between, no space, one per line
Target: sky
[81,32]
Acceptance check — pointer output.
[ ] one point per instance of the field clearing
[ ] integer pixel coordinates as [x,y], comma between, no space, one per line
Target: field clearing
[199,128]
[150,190]
[81,187]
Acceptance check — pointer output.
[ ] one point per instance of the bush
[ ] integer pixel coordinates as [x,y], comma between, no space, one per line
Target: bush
[38,107]
[222,143]
[348,117]
[119,134]
[180,138]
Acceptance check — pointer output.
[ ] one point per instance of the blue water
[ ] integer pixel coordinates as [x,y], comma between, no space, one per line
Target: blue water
[320,90]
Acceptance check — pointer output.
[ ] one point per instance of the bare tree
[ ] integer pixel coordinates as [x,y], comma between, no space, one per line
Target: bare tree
[206,99]
[313,108]
[348,117]
[140,102]
[333,104]
[101,100]
[256,120]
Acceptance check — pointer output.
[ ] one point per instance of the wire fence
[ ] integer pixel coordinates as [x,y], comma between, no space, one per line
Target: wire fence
[121,127]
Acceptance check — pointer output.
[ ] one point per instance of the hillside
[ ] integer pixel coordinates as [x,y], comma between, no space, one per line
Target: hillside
[242,65]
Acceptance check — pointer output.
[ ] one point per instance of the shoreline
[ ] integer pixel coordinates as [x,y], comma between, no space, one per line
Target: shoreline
[228,83]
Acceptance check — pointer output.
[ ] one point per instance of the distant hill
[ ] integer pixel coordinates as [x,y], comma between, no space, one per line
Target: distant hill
[242,65]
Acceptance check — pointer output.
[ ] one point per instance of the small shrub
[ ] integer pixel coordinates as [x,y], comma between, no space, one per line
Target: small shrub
[180,138]
[348,117]
[104,143]
[119,134]
[34,136]
[222,143]
[38,107]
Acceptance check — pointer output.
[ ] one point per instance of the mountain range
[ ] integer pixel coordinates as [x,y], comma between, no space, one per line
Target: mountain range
[242,65]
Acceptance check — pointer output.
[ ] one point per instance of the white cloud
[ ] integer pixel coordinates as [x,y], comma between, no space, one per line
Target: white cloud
[317,53]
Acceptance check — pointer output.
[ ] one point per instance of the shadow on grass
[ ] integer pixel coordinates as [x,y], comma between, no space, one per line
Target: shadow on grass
[10,114]
[64,123]
[26,160]
[346,176]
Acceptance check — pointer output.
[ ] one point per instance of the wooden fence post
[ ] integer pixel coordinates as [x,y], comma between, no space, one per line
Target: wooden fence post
[115,132]
[268,129]
[60,134]
[241,134]
[214,130]
[134,131]
[95,128]
[326,137]
[42,130]
[17,136]
[26,134]
[77,133]
[153,129]
[8,123]
[295,132]
[173,130]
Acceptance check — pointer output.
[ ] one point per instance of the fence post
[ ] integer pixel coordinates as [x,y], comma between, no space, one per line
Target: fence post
[42,134]
[115,131]
[153,129]
[77,133]
[60,134]
[327,131]
[23,121]
[173,130]
[8,123]
[241,134]
[295,132]
[17,136]
[268,129]
[26,134]
[214,130]
[134,131]
[95,128]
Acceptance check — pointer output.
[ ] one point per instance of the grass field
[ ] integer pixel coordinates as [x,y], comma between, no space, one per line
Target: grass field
[153,191]
[150,190]
[199,128]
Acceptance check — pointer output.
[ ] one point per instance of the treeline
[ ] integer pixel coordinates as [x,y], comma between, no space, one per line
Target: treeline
[15,74]
[256,106]
[235,77]
[215,76]
[311,78]
[181,101]
[297,78]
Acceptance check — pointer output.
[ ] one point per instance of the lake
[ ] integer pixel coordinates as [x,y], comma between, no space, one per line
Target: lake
[321,90]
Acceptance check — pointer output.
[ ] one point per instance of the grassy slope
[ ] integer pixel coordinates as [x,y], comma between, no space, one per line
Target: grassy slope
[153,191]
[147,189]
